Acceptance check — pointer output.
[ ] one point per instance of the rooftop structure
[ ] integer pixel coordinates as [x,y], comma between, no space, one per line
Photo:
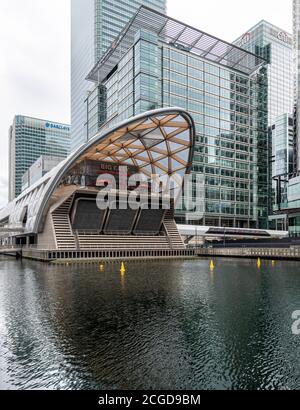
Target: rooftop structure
[179,34]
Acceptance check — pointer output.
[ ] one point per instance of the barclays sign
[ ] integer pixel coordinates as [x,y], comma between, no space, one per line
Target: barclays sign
[61,127]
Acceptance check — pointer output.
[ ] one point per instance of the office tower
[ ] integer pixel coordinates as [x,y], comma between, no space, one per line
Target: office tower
[296,41]
[287,198]
[160,62]
[95,25]
[276,46]
[29,138]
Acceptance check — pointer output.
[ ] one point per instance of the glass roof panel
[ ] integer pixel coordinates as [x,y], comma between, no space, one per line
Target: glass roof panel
[147,168]
[149,143]
[175,164]
[169,30]
[139,162]
[184,155]
[154,134]
[155,155]
[174,146]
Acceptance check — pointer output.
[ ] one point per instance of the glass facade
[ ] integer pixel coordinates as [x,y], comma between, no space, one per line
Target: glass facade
[276,46]
[95,25]
[283,155]
[29,138]
[82,59]
[294,206]
[296,35]
[111,16]
[230,112]
[282,135]
[288,211]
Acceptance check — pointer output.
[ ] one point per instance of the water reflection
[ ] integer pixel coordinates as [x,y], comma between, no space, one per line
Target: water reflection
[166,325]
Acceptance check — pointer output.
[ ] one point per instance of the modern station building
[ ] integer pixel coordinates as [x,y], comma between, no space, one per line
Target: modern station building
[62,216]
[29,138]
[95,25]
[158,62]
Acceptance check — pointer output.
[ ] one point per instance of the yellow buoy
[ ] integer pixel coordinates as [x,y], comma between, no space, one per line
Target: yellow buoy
[212,265]
[258,263]
[273,263]
[101,268]
[123,269]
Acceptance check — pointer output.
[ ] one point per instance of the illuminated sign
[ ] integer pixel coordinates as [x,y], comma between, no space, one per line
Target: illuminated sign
[61,127]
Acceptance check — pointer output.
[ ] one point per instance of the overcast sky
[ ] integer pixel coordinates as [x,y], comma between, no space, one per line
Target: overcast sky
[35,52]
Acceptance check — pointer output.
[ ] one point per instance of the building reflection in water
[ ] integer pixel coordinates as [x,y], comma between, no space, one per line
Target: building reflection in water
[163,325]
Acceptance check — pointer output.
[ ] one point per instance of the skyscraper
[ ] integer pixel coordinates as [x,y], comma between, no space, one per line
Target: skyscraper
[276,46]
[29,138]
[286,200]
[95,25]
[296,41]
[160,62]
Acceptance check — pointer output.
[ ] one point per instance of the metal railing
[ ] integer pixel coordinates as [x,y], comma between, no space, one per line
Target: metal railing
[275,253]
[118,233]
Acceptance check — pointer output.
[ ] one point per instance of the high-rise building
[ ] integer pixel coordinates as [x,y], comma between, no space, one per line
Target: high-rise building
[276,46]
[296,38]
[29,138]
[95,25]
[160,62]
[287,198]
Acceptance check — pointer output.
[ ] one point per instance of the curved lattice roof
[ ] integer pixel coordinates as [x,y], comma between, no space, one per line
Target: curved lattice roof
[159,142]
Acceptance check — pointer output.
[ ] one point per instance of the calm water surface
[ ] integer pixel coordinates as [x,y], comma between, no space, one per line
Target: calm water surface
[162,325]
